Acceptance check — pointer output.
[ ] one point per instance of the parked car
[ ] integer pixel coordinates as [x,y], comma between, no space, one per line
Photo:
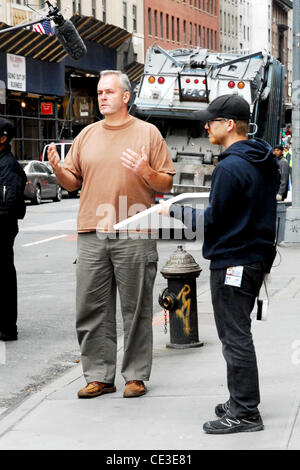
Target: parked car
[41,182]
[62,148]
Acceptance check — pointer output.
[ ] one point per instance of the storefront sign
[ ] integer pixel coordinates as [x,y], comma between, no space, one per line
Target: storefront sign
[2,93]
[46,108]
[16,72]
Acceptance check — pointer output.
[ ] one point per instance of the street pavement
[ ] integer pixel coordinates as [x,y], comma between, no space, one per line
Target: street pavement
[45,251]
[184,388]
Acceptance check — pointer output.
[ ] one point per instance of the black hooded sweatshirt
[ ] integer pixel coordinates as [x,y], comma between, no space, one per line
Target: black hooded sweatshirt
[12,184]
[240,220]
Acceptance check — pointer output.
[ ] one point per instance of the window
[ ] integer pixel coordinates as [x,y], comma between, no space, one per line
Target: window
[196,34]
[74,6]
[203,35]
[94,8]
[173,28]
[199,35]
[155,24]
[79,7]
[184,32]
[162,25]
[167,26]
[149,22]
[191,34]
[207,44]
[124,15]
[134,20]
[178,30]
[104,11]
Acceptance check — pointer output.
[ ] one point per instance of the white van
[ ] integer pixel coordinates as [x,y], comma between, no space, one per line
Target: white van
[62,149]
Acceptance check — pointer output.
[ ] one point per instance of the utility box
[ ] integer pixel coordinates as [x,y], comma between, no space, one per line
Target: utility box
[280,219]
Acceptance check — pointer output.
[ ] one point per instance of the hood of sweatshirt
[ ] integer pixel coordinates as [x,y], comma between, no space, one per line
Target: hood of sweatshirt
[255,151]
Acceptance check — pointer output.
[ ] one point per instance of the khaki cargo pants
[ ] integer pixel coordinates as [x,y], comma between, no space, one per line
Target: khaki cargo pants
[103,265]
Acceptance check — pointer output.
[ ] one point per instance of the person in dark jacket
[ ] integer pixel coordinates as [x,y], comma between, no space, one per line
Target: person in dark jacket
[284,173]
[239,235]
[12,208]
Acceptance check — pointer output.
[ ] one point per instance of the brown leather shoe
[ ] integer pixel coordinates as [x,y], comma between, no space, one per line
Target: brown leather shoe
[134,388]
[94,389]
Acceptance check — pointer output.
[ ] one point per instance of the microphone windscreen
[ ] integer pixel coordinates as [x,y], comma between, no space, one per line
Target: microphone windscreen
[69,37]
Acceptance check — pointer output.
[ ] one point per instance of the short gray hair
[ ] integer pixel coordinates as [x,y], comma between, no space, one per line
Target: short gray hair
[124,80]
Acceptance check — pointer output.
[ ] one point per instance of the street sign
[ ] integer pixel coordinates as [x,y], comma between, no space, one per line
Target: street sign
[46,108]
[2,92]
[16,72]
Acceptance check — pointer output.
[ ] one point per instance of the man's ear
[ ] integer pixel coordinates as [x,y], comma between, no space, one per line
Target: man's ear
[3,139]
[126,97]
[231,125]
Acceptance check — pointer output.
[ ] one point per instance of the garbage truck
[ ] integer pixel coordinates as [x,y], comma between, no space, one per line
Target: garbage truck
[177,82]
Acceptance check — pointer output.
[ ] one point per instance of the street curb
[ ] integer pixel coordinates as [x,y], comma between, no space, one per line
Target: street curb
[12,418]
[9,420]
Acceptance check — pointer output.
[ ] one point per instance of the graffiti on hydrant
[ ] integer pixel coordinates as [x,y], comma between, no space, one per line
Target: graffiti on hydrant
[184,311]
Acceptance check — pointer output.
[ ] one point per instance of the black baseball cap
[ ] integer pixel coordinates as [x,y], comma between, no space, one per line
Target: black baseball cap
[7,128]
[278,147]
[226,106]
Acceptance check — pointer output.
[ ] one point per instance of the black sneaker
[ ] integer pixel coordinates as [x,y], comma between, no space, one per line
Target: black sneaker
[228,425]
[221,409]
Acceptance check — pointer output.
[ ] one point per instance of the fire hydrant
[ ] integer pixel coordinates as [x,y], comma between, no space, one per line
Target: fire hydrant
[180,299]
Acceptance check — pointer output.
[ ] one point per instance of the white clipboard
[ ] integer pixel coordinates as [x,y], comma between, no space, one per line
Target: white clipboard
[186,197]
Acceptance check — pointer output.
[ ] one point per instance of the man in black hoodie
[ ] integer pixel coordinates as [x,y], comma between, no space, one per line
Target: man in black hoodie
[12,208]
[239,234]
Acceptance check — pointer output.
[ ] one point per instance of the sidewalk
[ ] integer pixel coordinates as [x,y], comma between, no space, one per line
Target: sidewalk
[185,386]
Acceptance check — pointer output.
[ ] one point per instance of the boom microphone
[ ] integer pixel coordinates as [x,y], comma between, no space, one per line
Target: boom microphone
[69,38]
[67,34]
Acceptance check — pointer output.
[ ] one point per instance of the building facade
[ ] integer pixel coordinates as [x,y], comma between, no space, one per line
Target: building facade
[175,24]
[236,26]
[127,14]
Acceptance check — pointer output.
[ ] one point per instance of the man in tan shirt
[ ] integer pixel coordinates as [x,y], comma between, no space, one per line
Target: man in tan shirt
[119,163]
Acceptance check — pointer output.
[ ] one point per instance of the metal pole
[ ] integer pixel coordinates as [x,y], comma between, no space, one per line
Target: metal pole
[292,226]
[296,104]
[25,25]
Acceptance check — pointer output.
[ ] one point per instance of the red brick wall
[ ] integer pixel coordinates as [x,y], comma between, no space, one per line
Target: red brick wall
[193,14]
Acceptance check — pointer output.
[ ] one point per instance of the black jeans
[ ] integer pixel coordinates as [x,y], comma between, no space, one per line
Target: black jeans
[232,308]
[8,278]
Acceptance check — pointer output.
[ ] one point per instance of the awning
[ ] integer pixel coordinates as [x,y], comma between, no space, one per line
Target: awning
[286,5]
[134,71]
[28,43]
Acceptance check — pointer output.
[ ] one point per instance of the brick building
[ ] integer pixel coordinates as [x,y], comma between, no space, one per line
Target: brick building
[182,23]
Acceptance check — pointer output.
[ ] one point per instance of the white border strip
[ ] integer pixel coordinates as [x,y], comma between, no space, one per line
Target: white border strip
[45,241]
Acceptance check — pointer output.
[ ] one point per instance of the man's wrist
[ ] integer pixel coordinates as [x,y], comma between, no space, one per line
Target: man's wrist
[149,173]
